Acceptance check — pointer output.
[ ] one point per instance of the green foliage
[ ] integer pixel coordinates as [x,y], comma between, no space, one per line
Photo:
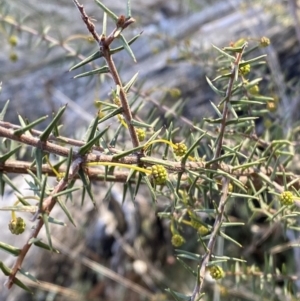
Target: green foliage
[222,164]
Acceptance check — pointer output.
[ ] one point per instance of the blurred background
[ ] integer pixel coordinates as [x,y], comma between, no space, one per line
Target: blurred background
[123,252]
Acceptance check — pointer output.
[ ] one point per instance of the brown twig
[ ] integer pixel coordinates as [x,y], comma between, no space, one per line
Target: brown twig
[104,43]
[212,240]
[226,102]
[135,159]
[90,25]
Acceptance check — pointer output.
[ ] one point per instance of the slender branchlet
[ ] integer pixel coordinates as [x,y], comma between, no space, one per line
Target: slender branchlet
[234,71]
[47,206]
[211,243]
[104,44]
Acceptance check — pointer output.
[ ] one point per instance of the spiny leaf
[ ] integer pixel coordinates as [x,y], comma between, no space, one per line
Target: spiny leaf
[127,47]
[87,147]
[10,249]
[152,191]
[66,211]
[19,283]
[110,115]
[28,275]
[130,83]
[100,70]
[28,127]
[87,184]
[55,221]
[44,136]
[69,162]
[3,112]
[140,124]
[128,9]
[128,152]
[46,223]
[188,268]
[252,60]
[89,59]
[7,271]
[189,151]
[98,54]
[39,162]
[2,184]
[215,89]
[10,183]
[108,11]
[9,154]
[37,242]
[232,58]
[90,133]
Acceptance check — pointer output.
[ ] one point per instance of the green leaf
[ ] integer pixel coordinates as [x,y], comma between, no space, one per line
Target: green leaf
[140,124]
[69,162]
[127,47]
[104,24]
[6,156]
[28,127]
[8,181]
[216,110]
[10,249]
[39,162]
[37,242]
[46,223]
[109,12]
[110,115]
[152,191]
[43,192]
[66,191]
[113,141]
[188,268]
[28,275]
[232,58]
[100,70]
[215,89]
[7,271]
[66,211]
[2,184]
[137,185]
[19,283]
[3,112]
[128,9]
[87,184]
[128,152]
[88,146]
[252,60]
[90,133]
[89,59]
[130,83]
[44,136]
[98,54]
[234,49]
[189,151]
[222,234]
[55,221]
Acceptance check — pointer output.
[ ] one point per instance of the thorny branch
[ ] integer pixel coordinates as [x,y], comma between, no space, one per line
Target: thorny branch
[242,173]
[234,70]
[47,206]
[104,43]
[212,240]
